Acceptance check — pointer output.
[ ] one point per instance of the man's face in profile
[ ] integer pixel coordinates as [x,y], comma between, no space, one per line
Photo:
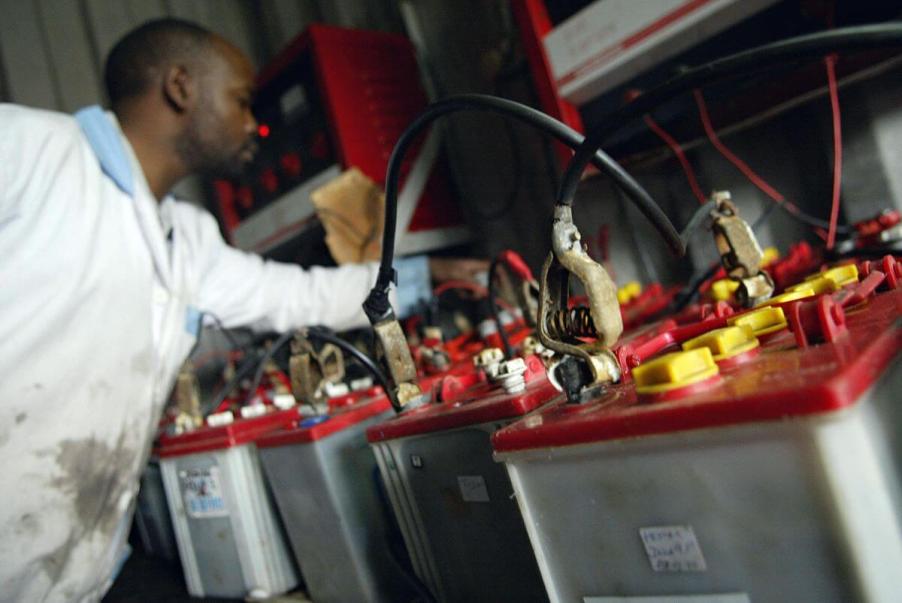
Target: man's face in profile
[220,139]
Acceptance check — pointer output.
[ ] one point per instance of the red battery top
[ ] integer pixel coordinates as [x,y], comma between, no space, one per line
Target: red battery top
[314,429]
[782,381]
[242,431]
[482,404]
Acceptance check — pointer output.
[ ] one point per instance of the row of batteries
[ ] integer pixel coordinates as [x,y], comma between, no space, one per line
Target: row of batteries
[749,455]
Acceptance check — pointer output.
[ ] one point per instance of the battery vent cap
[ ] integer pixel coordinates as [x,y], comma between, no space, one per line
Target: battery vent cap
[674,371]
[802,292]
[762,321]
[629,292]
[725,343]
[723,289]
[840,275]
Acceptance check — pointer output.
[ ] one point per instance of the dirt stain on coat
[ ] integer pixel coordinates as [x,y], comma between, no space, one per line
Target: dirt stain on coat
[93,476]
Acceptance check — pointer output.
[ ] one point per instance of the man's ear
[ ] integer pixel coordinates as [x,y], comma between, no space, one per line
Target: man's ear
[179,88]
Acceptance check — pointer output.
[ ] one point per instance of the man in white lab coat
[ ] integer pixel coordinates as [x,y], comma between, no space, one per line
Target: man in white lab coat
[102,279]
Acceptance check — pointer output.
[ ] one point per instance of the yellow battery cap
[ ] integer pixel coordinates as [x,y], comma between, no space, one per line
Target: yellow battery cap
[722,290]
[674,370]
[840,275]
[801,292]
[726,342]
[629,292]
[817,285]
[762,321]
[769,255]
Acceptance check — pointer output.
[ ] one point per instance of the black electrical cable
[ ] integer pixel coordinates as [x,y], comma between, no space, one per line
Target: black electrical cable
[377,306]
[747,62]
[493,307]
[367,362]
[228,334]
[267,356]
[696,220]
[243,371]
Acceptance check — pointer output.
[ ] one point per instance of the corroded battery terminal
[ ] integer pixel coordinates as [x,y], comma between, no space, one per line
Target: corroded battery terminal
[740,253]
[566,330]
[311,371]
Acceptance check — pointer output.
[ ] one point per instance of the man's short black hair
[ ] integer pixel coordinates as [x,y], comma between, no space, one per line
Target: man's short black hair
[132,63]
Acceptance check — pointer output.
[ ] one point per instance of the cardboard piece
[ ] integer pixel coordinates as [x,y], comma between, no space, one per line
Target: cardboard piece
[351,208]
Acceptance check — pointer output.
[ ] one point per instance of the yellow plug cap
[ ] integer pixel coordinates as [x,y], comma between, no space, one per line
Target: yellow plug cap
[629,292]
[800,291]
[842,275]
[763,321]
[726,342]
[674,370]
[722,290]
[769,255]
[816,285]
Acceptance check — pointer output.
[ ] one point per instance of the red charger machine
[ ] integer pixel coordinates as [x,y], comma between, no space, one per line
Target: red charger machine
[333,99]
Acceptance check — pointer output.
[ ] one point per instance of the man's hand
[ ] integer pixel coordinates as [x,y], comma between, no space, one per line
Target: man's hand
[457,269]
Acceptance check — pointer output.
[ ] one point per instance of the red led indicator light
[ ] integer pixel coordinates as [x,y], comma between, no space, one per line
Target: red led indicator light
[263,130]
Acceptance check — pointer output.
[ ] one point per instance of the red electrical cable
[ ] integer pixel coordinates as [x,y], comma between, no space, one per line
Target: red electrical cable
[742,166]
[475,289]
[830,62]
[680,155]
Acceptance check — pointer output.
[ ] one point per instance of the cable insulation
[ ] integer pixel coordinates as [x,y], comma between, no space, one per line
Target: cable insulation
[830,62]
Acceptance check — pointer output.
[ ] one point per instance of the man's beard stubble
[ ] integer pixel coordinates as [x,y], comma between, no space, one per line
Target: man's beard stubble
[206,156]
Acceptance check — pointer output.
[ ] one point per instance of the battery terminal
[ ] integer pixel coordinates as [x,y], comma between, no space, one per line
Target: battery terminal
[564,329]
[740,252]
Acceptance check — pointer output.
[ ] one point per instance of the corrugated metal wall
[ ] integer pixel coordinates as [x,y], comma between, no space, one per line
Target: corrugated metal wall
[52,51]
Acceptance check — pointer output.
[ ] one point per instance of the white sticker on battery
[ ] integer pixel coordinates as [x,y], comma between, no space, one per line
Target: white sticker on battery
[672,549]
[472,488]
[202,490]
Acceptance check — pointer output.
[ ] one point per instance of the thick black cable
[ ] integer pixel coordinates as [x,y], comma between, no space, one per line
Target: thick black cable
[376,305]
[367,362]
[747,62]
[493,307]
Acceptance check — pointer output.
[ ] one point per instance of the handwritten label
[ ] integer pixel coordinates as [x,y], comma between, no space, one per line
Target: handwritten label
[672,549]
[472,488]
[202,491]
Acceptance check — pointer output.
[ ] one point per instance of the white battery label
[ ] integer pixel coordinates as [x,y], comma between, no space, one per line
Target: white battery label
[202,490]
[472,488]
[672,549]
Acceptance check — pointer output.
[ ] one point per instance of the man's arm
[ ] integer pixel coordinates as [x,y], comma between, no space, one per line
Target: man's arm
[244,290]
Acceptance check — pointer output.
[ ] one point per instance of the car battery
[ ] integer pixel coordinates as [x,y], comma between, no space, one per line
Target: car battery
[228,533]
[152,520]
[323,477]
[739,471]
[462,529]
